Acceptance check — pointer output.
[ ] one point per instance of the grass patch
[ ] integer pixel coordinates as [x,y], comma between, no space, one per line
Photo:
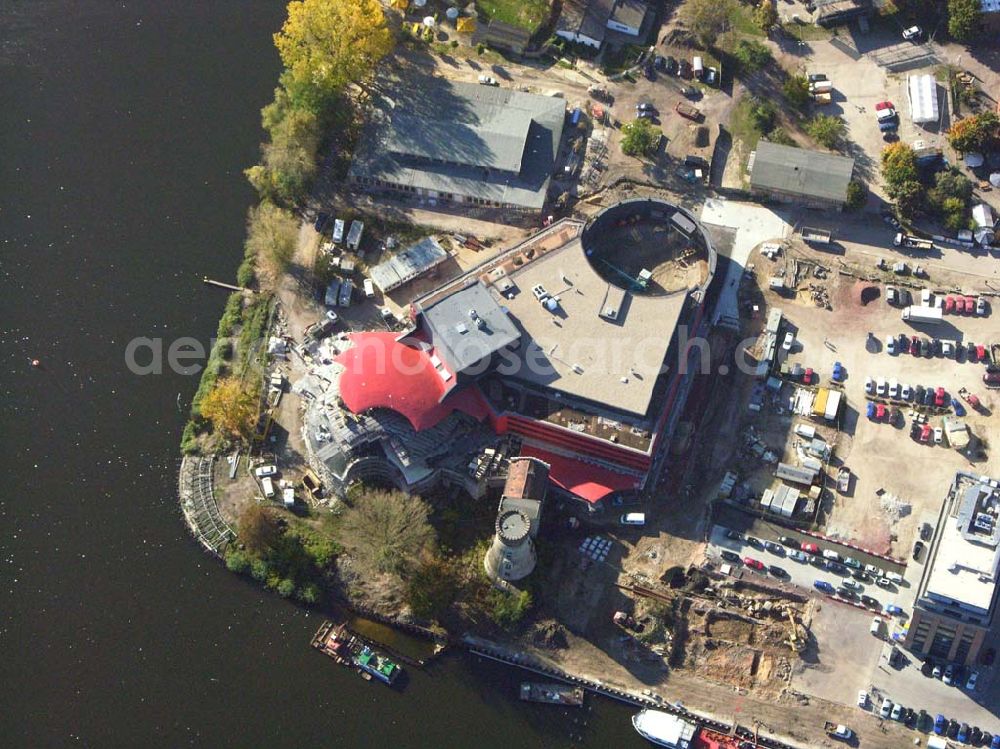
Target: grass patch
[806,32]
[527,14]
[741,21]
[743,125]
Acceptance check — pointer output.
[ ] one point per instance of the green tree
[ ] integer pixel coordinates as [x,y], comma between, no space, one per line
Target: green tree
[857,195]
[286,587]
[976,133]
[639,138]
[954,213]
[751,55]
[272,234]
[909,197]
[289,160]
[950,183]
[707,18]
[765,15]
[326,45]
[796,91]
[964,18]
[385,531]
[899,165]
[826,129]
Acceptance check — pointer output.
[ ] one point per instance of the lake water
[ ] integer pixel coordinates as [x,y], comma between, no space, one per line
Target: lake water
[125,129]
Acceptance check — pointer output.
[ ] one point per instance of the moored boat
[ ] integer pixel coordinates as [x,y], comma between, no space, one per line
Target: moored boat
[377,665]
[664,729]
[552,694]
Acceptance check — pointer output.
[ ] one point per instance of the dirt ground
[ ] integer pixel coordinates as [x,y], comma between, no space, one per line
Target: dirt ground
[878,454]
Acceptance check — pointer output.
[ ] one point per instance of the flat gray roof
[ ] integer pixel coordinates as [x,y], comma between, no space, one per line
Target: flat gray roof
[576,351]
[799,171]
[469,140]
[629,13]
[467,326]
[407,264]
[587,17]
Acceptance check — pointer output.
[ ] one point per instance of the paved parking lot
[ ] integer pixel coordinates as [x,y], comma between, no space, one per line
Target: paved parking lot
[802,574]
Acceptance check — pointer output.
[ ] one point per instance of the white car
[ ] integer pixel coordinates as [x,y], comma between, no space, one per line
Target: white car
[263,471]
[488,80]
[851,584]
[893,389]
[906,393]
[869,386]
[881,386]
[862,699]
[938,435]
[788,342]
[871,569]
[981,306]
[886,708]
[890,345]
[913,34]
[971,683]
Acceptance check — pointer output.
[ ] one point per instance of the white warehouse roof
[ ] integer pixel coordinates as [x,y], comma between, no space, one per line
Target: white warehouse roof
[923,94]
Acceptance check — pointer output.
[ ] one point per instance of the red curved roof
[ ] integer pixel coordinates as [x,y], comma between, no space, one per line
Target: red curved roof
[381,372]
[585,480]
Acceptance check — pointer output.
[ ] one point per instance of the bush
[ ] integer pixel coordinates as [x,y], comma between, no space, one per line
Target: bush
[751,55]
[826,129]
[259,570]
[308,593]
[286,587]
[237,561]
[762,115]
[796,91]
[189,438]
[782,138]
[507,609]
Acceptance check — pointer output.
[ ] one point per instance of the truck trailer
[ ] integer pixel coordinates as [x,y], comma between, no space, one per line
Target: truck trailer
[911,242]
[918,313]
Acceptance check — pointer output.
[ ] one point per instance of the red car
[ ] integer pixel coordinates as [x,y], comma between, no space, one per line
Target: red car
[879,412]
[970,305]
[959,305]
[981,353]
[939,397]
[925,433]
[751,562]
[809,548]
[915,346]
[949,304]
[884,105]
[808,376]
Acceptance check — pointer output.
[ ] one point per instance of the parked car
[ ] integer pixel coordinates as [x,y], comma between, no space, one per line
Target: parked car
[852,563]
[754,542]
[926,531]
[851,584]
[939,397]
[846,593]
[886,708]
[774,548]
[884,582]
[788,541]
[893,609]
[938,435]
[897,712]
[488,80]
[809,548]
[918,548]
[730,556]
[268,470]
[734,535]
[940,724]
[777,571]
[869,386]
[872,603]
[949,675]
[711,76]
[798,556]
[981,306]
[913,34]
[823,585]
[862,699]
[906,393]
[861,576]
[670,66]
[874,571]
[970,684]
[753,563]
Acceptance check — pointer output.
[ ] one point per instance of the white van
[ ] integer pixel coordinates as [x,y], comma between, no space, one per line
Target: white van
[895,577]
[268,487]
[338,231]
[831,554]
[369,288]
[698,67]
[876,626]
[633,518]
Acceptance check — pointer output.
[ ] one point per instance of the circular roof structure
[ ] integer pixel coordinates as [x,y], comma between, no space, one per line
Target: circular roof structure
[649,247]
[513,526]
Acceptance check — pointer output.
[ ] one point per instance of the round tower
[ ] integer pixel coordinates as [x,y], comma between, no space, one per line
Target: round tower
[512,554]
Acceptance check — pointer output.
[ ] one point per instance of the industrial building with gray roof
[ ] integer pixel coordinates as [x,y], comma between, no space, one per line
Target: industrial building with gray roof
[449,142]
[801,176]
